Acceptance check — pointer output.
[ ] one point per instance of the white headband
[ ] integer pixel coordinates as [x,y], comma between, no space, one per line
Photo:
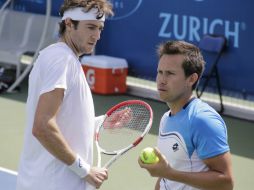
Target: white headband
[78,13]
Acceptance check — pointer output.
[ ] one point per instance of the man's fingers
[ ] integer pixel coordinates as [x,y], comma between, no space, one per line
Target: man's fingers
[158,153]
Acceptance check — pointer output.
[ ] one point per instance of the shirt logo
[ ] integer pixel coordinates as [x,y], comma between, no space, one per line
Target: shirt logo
[175,147]
[79,163]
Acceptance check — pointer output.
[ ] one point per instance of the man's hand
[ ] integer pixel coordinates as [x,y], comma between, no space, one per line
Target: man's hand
[97,176]
[159,169]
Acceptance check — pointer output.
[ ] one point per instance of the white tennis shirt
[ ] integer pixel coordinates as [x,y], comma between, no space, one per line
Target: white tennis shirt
[57,67]
[195,133]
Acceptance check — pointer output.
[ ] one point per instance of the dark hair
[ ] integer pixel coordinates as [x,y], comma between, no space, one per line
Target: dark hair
[193,59]
[103,7]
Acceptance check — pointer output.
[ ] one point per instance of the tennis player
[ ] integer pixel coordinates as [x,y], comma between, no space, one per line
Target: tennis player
[192,142]
[58,147]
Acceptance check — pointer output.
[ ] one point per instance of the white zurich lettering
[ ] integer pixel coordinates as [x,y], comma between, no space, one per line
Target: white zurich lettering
[191,28]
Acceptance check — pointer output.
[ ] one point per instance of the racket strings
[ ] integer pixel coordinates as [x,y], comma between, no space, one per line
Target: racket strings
[133,116]
[123,126]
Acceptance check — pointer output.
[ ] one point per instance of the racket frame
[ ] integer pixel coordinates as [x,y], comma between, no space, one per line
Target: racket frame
[118,153]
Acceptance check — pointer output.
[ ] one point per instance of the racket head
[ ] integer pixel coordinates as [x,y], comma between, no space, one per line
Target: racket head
[125,124]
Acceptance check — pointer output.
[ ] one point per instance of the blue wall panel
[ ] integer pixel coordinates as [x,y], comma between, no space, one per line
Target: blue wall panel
[140,25]
[135,36]
[34,6]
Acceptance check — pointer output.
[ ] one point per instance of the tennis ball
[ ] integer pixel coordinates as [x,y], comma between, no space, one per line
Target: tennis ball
[148,156]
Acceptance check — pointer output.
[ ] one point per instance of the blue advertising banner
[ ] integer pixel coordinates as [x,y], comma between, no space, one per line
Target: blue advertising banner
[140,25]
[34,6]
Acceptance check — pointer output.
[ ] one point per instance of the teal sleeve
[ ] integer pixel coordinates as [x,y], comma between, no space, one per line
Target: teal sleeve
[209,135]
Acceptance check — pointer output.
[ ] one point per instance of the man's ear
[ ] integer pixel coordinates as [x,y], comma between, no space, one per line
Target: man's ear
[68,23]
[192,79]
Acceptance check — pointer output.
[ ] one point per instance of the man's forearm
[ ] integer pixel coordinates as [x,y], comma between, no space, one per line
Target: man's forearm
[52,139]
[157,185]
[209,180]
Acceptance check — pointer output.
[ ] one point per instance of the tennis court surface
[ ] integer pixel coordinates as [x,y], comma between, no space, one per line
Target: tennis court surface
[125,174]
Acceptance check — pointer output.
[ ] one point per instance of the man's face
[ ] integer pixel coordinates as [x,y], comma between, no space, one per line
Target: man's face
[172,84]
[86,35]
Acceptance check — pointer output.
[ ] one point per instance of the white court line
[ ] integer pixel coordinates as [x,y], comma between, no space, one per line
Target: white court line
[8,179]
[8,171]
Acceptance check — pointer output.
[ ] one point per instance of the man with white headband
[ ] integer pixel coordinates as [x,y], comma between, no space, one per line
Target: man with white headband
[58,143]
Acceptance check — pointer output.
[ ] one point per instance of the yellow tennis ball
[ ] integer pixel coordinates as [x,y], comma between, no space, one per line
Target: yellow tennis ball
[148,156]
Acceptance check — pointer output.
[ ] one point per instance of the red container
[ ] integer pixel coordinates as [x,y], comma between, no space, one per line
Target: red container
[105,74]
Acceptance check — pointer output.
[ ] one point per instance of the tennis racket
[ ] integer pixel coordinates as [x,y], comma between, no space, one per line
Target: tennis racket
[124,127]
